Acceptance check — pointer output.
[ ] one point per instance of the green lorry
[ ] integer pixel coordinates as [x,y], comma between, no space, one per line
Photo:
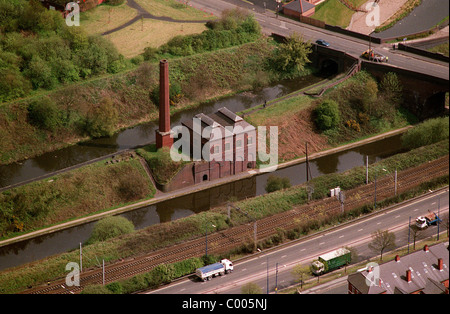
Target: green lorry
[331,261]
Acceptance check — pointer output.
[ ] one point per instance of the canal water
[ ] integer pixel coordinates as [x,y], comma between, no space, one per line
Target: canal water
[140,135]
[66,240]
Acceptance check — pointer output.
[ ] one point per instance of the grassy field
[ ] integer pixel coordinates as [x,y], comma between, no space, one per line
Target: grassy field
[132,40]
[105,17]
[335,13]
[175,9]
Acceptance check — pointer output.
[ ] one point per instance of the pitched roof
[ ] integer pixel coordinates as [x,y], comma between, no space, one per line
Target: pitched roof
[425,275]
[295,6]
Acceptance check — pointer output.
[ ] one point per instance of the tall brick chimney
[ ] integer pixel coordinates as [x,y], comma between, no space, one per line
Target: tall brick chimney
[408,275]
[163,133]
[440,264]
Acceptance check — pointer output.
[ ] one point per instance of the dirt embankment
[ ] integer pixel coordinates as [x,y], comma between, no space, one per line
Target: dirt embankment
[293,133]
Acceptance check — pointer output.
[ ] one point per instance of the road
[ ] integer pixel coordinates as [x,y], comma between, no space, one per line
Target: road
[356,234]
[270,23]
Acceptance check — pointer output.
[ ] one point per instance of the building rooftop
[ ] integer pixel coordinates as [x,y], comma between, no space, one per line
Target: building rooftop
[422,271]
[295,6]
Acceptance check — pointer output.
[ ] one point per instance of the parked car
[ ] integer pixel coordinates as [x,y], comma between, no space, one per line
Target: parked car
[371,55]
[322,42]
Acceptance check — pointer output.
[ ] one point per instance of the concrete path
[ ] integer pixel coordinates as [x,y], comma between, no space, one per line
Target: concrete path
[143,14]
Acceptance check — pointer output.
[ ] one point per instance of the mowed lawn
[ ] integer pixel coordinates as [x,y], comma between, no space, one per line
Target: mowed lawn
[178,10]
[132,40]
[106,17]
[335,13]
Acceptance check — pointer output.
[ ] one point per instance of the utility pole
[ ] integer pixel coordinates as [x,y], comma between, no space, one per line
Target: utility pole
[438,218]
[276,279]
[267,274]
[395,182]
[367,169]
[375,197]
[81,258]
[307,163]
[409,231]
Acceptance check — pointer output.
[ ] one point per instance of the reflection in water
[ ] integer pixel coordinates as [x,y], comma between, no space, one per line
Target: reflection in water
[62,241]
[183,206]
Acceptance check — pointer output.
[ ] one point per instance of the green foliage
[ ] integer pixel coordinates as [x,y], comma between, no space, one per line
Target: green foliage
[292,55]
[251,288]
[426,133]
[327,115]
[12,84]
[102,119]
[234,28]
[110,227]
[160,162]
[44,114]
[38,50]
[392,88]
[163,273]
[275,183]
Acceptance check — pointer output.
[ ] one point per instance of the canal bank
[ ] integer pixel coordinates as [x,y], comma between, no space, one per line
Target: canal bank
[161,197]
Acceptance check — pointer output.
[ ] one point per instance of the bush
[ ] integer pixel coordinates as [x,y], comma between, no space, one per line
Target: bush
[102,119]
[327,115]
[110,227]
[426,133]
[44,114]
[275,183]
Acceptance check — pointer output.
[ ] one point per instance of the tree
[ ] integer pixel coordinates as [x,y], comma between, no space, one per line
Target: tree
[251,288]
[300,272]
[292,56]
[382,240]
[327,115]
[102,119]
[392,88]
[275,183]
[44,114]
[428,132]
[111,227]
[416,233]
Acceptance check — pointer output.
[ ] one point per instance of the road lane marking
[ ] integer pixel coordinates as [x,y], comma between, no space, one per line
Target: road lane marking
[360,230]
[341,236]
[397,216]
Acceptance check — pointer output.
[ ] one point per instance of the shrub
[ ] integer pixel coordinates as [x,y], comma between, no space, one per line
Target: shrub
[44,114]
[275,183]
[110,227]
[102,119]
[40,73]
[327,115]
[426,133]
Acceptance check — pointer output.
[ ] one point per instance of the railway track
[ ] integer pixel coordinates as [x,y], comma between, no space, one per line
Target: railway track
[225,240]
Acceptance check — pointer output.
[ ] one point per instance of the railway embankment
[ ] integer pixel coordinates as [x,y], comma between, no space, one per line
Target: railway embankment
[167,237]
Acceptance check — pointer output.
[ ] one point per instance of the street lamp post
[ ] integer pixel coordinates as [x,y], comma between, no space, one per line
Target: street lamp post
[206,239]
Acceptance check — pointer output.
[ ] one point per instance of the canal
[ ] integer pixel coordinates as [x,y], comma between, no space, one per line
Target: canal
[62,241]
[68,239]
